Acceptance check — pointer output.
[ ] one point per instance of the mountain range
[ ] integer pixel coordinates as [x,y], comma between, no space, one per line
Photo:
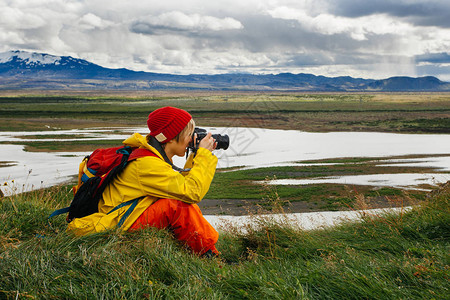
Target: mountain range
[30,70]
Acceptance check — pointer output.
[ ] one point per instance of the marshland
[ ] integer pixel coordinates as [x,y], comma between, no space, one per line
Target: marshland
[314,138]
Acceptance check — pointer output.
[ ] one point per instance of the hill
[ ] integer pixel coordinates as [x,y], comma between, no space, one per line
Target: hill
[397,256]
[25,70]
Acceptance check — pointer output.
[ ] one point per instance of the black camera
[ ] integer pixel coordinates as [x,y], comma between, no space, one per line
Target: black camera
[223,141]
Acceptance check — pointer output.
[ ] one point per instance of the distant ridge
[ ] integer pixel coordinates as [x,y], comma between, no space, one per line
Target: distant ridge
[30,70]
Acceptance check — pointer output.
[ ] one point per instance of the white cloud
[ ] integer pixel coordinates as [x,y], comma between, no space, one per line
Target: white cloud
[323,37]
[357,28]
[176,20]
[90,21]
[16,19]
[10,38]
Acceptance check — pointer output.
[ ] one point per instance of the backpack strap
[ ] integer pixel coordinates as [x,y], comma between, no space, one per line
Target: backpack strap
[59,212]
[87,173]
[133,203]
[140,152]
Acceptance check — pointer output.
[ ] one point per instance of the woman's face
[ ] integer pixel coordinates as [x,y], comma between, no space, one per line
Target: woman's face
[178,148]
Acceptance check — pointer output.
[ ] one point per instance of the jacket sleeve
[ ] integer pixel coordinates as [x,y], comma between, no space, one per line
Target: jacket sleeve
[157,178]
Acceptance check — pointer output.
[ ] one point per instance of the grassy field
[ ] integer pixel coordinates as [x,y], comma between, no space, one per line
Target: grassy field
[421,113]
[403,256]
[238,192]
[387,112]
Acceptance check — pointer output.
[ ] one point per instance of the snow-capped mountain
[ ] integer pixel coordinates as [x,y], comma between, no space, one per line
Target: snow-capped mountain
[31,64]
[24,70]
[28,58]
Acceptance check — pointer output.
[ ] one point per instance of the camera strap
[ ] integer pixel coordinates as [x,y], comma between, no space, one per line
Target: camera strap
[157,145]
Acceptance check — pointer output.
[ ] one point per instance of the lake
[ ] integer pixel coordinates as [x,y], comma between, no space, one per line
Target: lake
[249,148]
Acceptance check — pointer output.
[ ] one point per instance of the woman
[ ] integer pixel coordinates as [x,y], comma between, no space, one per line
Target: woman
[169,196]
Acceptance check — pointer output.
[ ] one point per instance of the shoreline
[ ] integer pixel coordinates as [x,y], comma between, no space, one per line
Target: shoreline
[304,221]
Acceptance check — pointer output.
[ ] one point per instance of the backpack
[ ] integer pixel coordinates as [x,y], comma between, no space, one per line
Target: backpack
[96,172]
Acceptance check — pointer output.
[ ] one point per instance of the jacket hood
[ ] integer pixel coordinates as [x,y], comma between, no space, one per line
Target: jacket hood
[139,141]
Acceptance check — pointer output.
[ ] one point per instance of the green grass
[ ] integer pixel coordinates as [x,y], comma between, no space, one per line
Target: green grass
[308,112]
[82,145]
[383,257]
[249,184]
[436,125]
[241,185]
[403,256]
[340,160]
[385,192]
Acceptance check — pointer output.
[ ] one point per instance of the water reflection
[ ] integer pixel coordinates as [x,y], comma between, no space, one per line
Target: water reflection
[249,148]
[407,181]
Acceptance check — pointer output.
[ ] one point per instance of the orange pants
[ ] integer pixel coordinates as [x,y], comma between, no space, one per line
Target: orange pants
[184,220]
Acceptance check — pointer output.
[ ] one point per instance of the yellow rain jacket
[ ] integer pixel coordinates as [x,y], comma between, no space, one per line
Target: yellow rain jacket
[153,178]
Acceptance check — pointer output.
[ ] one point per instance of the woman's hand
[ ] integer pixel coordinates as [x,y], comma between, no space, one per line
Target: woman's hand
[208,142]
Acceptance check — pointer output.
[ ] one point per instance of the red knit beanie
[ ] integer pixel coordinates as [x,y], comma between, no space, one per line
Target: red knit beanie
[166,122]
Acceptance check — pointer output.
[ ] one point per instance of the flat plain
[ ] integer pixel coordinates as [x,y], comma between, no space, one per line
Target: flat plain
[383,256]
[388,112]
[313,112]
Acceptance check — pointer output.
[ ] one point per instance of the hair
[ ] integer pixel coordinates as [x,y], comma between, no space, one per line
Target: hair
[188,130]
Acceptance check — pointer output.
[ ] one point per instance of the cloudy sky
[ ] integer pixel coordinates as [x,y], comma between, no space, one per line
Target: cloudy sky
[359,38]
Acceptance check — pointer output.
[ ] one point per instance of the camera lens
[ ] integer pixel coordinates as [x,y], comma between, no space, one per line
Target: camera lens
[223,141]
